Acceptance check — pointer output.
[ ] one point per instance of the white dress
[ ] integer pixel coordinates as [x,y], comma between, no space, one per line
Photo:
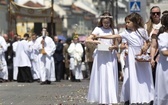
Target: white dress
[161,89]
[103,87]
[138,84]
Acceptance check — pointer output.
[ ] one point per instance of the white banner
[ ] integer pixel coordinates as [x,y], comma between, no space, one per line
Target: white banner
[41,12]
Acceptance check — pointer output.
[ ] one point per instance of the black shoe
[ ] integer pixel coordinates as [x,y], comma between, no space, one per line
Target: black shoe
[43,83]
[78,80]
[126,103]
[48,82]
[73,80]
[37,80]
[58,81]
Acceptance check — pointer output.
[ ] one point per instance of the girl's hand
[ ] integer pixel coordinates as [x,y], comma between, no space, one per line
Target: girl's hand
[111,48]
[96,42]
[152,63]
[144,49]
[155,31]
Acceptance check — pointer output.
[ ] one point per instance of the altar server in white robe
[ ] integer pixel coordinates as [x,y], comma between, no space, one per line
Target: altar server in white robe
[46,48]
[23,61]
[34,58]
[14,46]
[75,51]
[3,65]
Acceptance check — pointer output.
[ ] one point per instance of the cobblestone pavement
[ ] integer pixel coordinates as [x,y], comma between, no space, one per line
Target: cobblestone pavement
[58,93]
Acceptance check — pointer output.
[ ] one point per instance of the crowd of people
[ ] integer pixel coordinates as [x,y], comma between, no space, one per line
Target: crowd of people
[42,58]
[143,48]
[138,55]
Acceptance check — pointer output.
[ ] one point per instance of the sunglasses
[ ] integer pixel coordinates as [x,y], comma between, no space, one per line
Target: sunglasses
[155,13]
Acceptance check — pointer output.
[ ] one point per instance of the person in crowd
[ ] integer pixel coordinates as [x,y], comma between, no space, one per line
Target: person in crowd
[9,57]
[122,53]
[3,64]
[90,47]
[84,65]
[34,58]
[14,46]
[66,58]
[46,48]
[75,51]
[23,61]
[138,75]
[161,86]
[103,87]
[153,24]
[58,59]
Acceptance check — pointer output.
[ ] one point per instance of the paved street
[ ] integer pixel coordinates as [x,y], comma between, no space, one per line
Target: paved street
[58,93]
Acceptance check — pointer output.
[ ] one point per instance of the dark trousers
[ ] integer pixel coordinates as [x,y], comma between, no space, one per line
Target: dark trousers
[90,64]
[10,72]
[24,74]
[58,70]
[154,73]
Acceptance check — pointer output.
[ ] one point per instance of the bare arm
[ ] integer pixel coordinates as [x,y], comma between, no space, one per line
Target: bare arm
[92,39]
[153,50]
[115,44]
[146,46]
[108,36]
[165,53]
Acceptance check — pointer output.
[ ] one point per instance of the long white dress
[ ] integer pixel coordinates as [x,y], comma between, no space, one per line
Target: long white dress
[161,89]
[46,62]
[138,84]
[103,87]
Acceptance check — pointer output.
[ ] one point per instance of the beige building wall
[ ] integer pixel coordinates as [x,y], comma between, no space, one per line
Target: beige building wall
[23,28]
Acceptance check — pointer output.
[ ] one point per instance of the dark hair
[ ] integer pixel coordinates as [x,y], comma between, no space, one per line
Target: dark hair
[164,22]
[165,12]
[136,19]
[68,40]
[100,24]
[26,35]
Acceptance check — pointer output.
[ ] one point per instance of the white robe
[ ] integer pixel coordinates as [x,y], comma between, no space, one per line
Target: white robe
[22,54]
[76,52]
[34,60]
[3,48]
[46,62]
[138,83]
[103,87]
[15,68]
[161,86]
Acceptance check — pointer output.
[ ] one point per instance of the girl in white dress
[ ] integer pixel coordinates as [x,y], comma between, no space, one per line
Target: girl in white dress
[103,87]
[137,85]
[161,86]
